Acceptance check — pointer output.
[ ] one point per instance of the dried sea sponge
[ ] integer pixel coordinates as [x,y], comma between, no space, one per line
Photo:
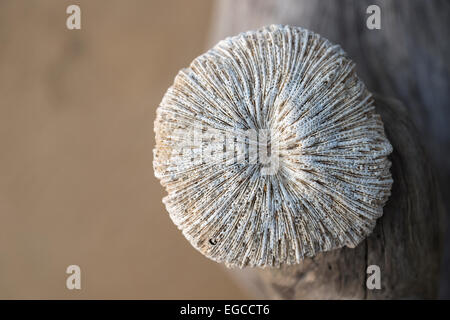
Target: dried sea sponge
[331,178]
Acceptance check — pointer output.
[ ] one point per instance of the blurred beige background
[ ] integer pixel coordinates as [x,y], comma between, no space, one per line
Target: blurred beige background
[76,178]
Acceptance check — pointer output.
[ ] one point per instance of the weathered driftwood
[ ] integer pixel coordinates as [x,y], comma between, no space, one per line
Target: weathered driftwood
[407,242]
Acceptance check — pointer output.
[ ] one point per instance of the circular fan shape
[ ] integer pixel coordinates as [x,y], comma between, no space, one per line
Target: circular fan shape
[270,150]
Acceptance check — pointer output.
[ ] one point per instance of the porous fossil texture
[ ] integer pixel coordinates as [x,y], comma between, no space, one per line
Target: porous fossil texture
[332,177]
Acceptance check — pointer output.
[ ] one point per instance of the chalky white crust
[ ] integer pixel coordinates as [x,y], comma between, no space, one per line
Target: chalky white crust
[333,178]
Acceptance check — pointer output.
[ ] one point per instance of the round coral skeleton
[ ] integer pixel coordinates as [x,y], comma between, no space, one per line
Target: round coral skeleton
[331,178]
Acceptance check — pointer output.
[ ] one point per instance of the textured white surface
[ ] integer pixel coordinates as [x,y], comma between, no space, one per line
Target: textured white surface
[332,179]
